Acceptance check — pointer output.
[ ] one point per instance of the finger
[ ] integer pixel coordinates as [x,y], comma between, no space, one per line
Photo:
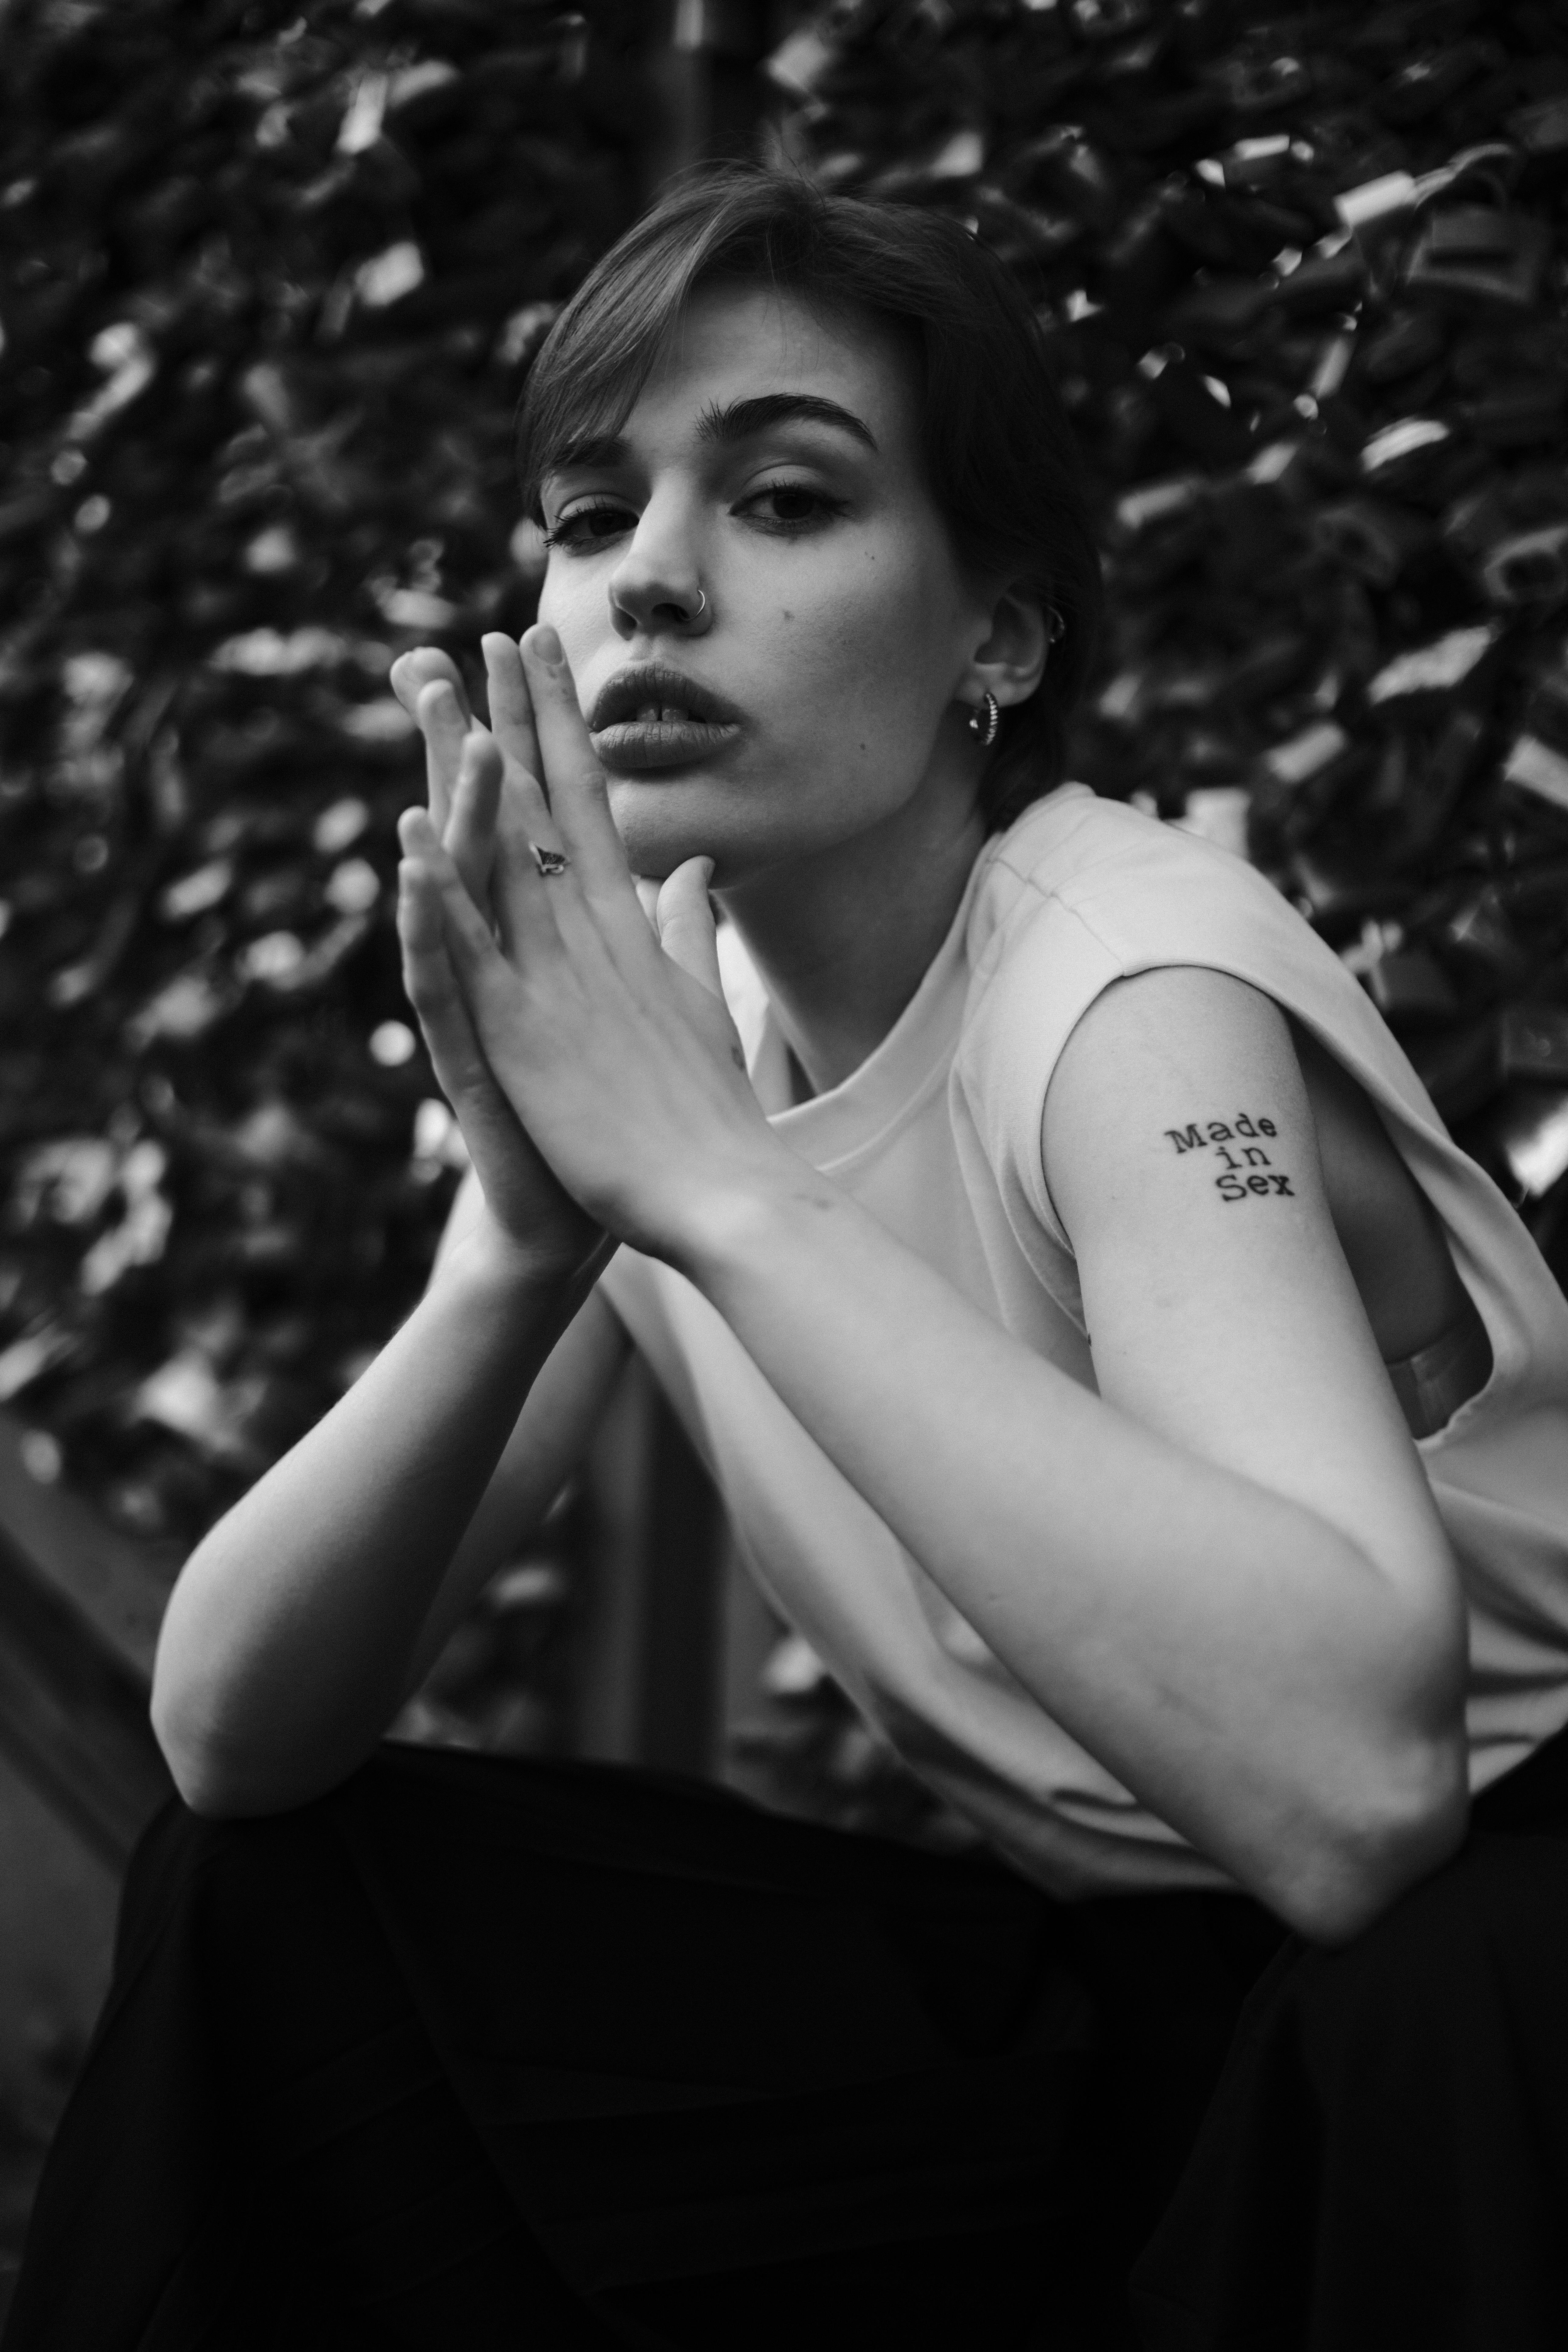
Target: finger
[572,776]
[470,832]
[475,956]
[445,729]
[428,978]
[430,983]
[683,917]
[511,709]
[414,670]
[522,897]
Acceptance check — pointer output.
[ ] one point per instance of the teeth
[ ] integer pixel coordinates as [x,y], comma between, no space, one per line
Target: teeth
[666,714]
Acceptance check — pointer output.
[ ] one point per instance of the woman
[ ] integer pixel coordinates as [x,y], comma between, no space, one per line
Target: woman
[1108,1365]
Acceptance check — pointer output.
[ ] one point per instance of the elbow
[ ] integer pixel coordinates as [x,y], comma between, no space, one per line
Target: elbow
[209,1777]
[194,1765]
[222,1778]
[1350,1867]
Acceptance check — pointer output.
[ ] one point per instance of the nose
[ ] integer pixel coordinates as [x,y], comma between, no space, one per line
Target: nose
[655,588]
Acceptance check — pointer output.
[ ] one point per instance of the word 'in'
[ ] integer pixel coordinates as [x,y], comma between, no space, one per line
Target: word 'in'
[1236,1181]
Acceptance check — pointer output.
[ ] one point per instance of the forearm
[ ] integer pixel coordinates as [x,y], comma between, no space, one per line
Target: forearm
[1239,1662]
[290,1636]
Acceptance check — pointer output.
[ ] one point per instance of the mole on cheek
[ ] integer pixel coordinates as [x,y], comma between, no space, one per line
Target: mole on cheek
[786,614]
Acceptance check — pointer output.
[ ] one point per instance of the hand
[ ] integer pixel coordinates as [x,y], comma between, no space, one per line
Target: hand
[465,767]
[613,1046]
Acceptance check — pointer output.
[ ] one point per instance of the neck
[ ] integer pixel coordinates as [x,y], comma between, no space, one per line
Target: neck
[842,938]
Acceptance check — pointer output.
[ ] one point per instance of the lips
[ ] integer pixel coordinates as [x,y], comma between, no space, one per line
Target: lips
[650,716]
[650,691]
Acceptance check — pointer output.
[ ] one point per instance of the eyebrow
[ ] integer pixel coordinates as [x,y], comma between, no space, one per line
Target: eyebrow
[741,421]
[744,418]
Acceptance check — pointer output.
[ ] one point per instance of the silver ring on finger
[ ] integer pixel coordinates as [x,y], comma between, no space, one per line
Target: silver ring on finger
[550,862]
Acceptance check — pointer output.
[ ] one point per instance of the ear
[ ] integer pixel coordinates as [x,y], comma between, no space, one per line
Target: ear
[1010,660]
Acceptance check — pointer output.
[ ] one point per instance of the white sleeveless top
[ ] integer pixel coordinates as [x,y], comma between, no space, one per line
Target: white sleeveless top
[937,1135]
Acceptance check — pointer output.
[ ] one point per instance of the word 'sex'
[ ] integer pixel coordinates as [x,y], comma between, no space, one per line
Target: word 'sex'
[1244,1175]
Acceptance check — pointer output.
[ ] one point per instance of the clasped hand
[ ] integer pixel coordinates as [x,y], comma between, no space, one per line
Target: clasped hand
[588,1055]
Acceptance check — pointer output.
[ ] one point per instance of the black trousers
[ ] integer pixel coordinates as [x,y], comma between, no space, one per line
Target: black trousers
[482,2053]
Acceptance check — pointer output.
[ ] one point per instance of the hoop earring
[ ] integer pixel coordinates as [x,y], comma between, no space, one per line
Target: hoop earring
[985,721]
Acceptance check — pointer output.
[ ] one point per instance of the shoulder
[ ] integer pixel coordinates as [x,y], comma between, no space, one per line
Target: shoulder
[1080,892]
[1142,887]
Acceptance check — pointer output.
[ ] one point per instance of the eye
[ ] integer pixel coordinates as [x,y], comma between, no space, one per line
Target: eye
[586,527]
[794,507]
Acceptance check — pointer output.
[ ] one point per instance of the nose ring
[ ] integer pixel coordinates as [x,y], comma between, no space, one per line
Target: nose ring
[702,608]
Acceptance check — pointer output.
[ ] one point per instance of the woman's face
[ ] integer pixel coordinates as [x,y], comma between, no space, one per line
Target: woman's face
[773,463]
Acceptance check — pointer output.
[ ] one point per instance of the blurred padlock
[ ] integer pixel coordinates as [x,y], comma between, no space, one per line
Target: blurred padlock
[1371,536]
[1410,340]
[1063,164]
[1541,129]
[1408,456]
[1109,20]
[1480,255]
[1261,81]
[1324,281]
[1375,207]
[1424,679]
[1528,567]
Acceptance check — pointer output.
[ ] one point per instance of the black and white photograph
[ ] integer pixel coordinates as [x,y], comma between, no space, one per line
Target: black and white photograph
[716,717]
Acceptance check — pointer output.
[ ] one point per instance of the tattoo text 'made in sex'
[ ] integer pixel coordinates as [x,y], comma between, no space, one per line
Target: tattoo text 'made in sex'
[1248,1170]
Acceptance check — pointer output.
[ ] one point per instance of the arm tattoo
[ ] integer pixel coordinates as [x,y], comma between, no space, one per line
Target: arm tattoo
[1244,1176]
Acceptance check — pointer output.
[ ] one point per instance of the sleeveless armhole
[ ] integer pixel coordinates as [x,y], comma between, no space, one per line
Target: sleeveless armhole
[1122,894]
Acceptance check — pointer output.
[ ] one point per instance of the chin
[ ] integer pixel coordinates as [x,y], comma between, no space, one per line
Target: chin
[664,821]
[743,825]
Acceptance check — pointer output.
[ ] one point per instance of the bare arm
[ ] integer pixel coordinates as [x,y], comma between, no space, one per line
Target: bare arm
[1224,1575]
[301,1621]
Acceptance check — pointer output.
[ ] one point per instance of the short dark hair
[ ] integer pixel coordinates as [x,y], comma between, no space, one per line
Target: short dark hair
[999,452]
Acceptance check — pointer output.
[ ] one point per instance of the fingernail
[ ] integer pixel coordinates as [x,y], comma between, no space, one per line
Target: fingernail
[707,865]
[547,646]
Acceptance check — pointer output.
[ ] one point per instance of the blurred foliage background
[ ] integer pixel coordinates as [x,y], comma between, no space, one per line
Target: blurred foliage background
[270,282]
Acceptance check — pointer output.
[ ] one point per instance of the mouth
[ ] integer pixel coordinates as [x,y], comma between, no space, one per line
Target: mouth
[654,717]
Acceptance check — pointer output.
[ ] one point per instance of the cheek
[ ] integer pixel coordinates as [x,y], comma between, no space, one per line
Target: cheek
[876,656]
[578,609]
